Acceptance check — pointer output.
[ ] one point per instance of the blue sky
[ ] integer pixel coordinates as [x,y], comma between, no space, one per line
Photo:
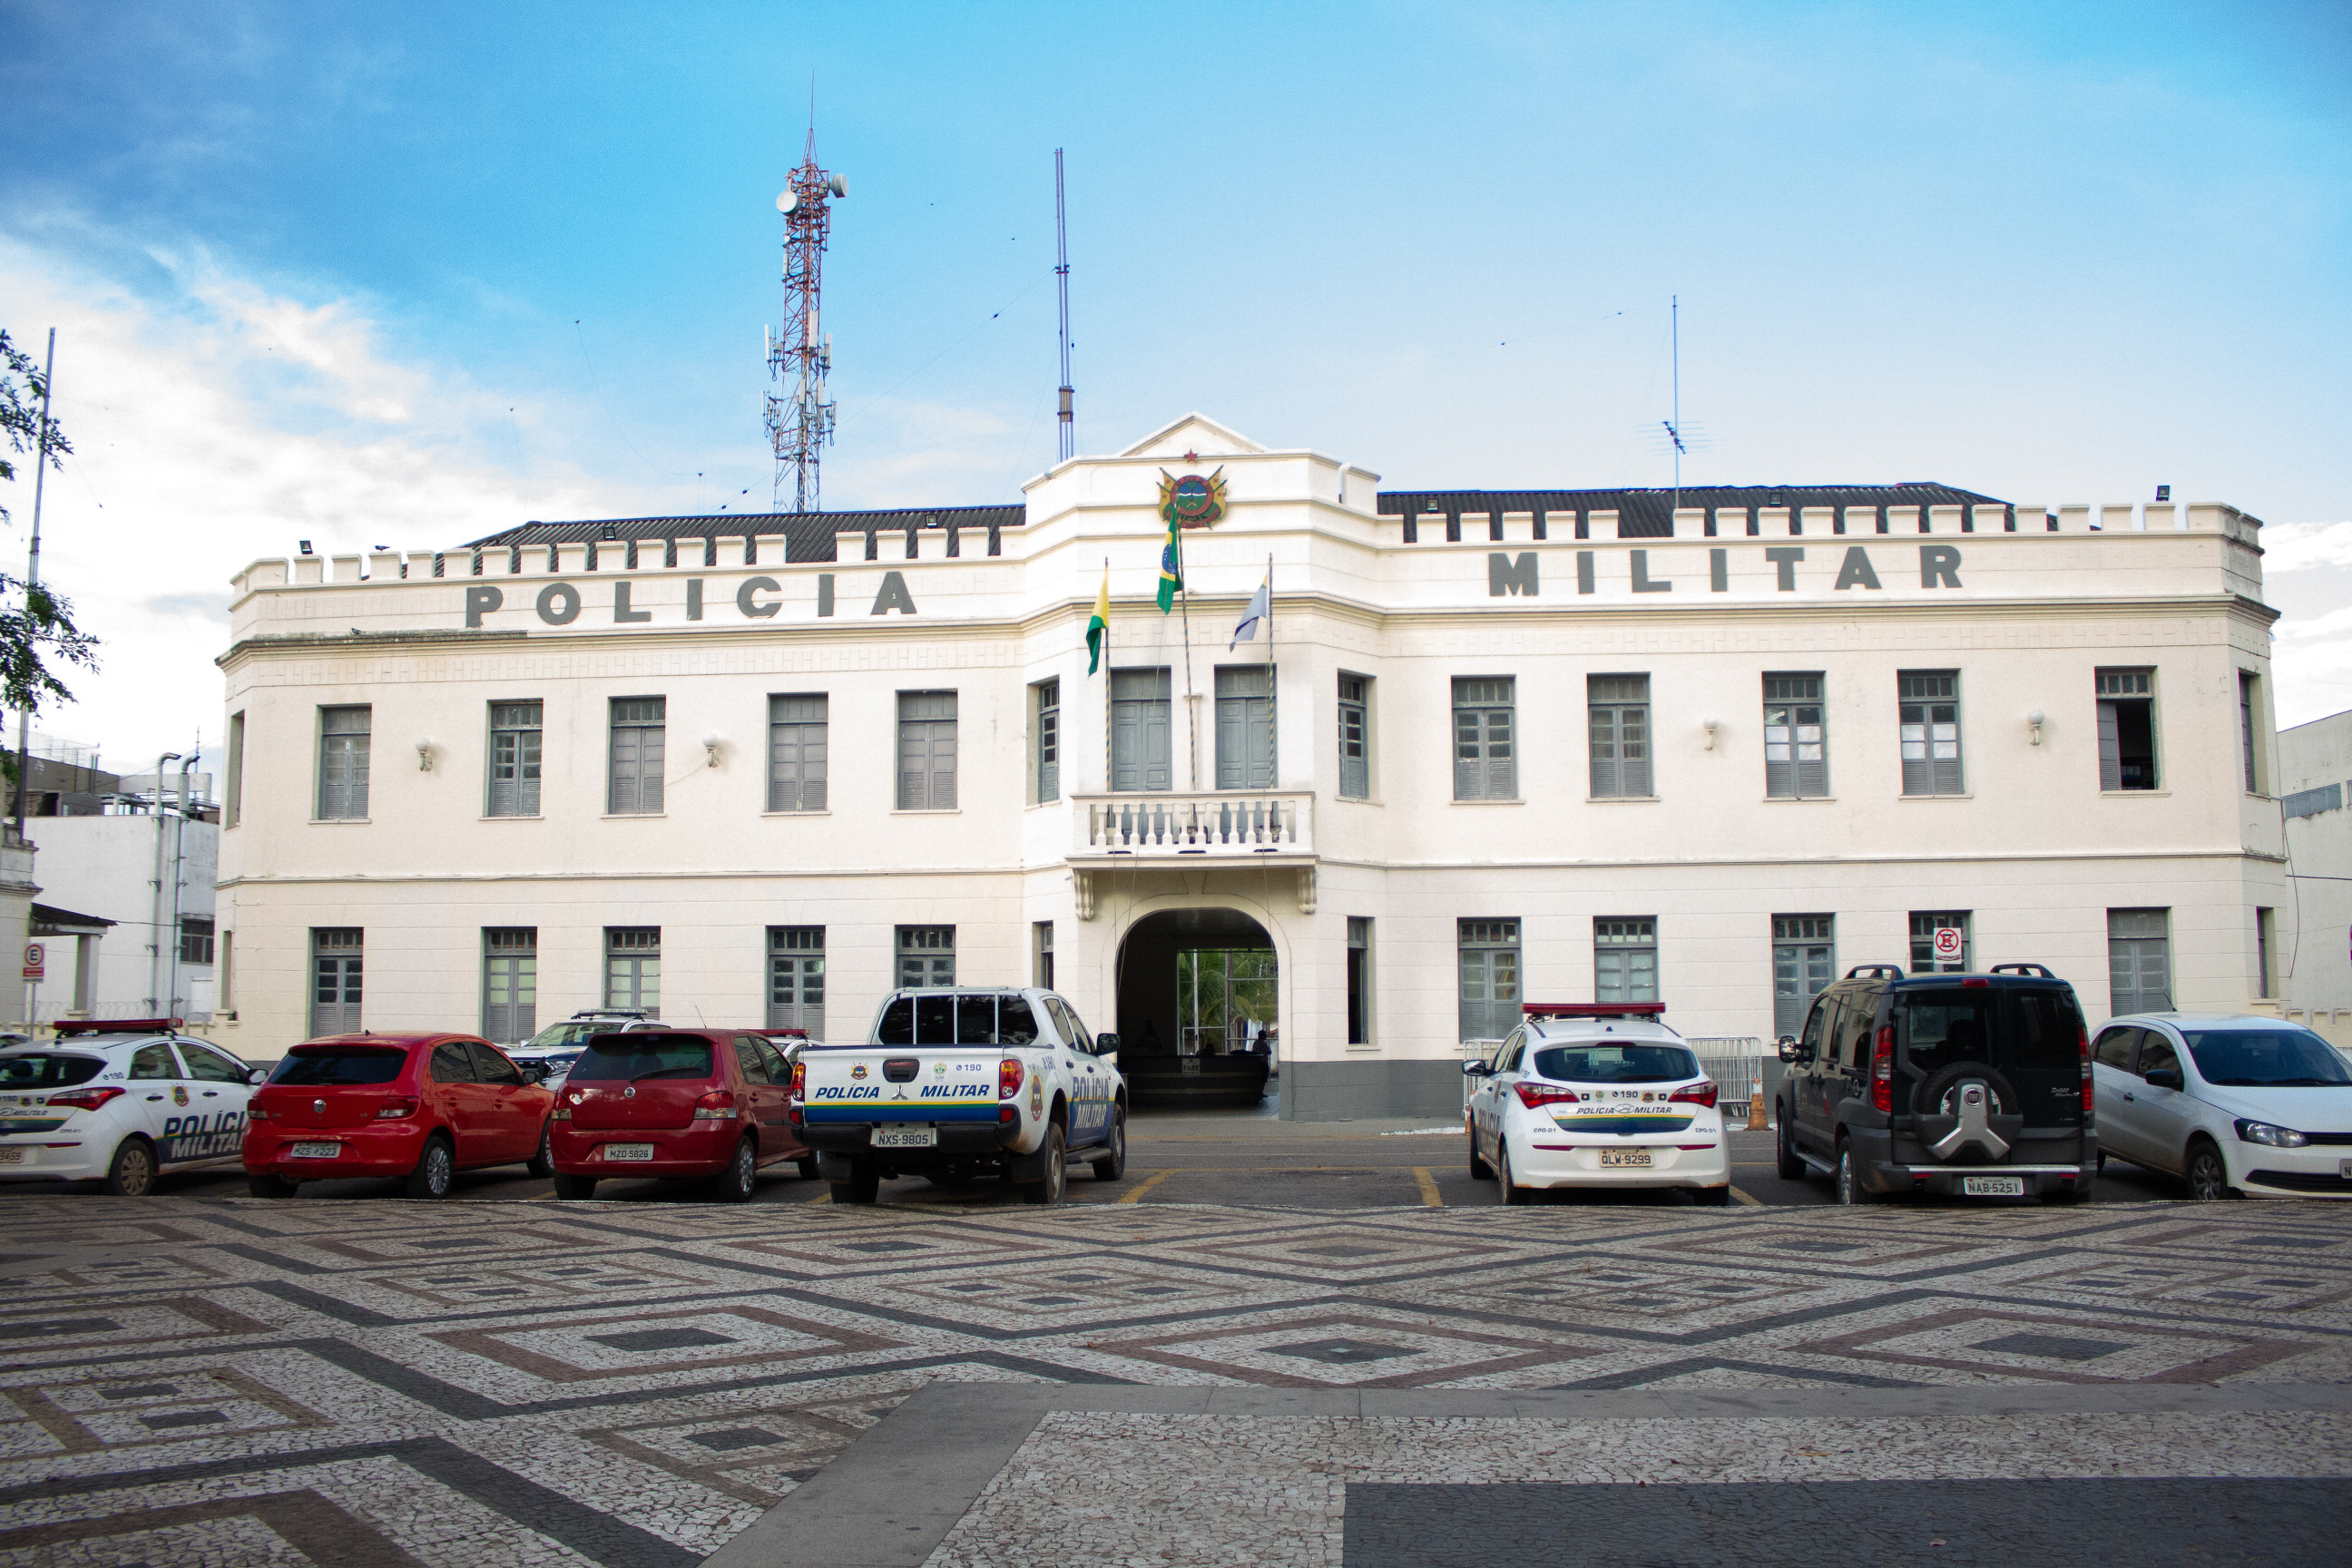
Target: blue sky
[425,270]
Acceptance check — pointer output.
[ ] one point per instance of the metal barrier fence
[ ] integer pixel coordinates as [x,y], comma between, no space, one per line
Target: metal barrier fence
[1736,1062]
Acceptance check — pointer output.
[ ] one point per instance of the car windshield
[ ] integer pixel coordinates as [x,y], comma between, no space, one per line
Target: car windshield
[2266,1059]
[572,1032]
[627,1059]
[340,1063]
[39,1069]
[1617,1064]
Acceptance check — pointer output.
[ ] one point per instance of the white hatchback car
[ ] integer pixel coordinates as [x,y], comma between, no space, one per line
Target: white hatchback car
[2232,1104]
[1595,1094]
[121,1102]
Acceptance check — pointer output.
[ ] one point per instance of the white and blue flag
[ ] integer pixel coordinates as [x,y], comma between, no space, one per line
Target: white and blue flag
[1261,606]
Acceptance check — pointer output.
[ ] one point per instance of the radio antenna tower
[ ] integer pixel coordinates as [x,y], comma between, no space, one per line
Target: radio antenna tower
[1675,425]
[800,416]
[1069,442]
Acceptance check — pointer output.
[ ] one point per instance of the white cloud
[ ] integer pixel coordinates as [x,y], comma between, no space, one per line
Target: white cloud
[2293,546]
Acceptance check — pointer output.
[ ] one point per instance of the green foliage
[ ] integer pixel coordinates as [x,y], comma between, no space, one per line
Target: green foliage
[37,628]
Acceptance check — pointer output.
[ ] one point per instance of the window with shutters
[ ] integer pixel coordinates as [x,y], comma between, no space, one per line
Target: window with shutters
[335,954]
[195,938]
[926,751]
[1804,961]
[1489,959]
[1618,715]
[2249,731]
[1796,738]
[796,979]
[2139,961]
[342,763]
[514,759]
[925,956]
[1625,959]
[1927,957]
[1041,954]
[796,754]
[1930,716]
[1359,981]
[2127,728]
[635,787]
[509,983]
[1140,741]
[1486,766]
[1355,737]
[233,798]
[1046,730]
[1245,726]
[633,968]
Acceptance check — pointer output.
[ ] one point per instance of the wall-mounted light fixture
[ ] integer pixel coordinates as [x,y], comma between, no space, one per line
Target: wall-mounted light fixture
[2033,726]
[423,756]
[1710,726]
[710,744]
[305,545]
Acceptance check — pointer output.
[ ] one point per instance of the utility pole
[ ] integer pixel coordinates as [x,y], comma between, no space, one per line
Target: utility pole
[32,581]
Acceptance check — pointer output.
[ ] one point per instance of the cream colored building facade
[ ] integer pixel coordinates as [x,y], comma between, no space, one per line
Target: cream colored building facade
[1519,746]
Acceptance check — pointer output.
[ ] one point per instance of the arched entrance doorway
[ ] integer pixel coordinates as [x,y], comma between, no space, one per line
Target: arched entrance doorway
[1199,1019]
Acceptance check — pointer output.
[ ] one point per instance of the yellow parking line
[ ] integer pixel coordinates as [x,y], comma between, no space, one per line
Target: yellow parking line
[1739,1197]
[824,1197]
[1428,1188]
[1134,1194]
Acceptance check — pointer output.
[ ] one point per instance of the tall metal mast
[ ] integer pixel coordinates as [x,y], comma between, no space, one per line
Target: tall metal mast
[800,416]
[1069,442]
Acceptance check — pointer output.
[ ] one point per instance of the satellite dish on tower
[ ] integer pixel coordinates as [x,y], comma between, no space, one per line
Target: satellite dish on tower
[838,185]
[786,202]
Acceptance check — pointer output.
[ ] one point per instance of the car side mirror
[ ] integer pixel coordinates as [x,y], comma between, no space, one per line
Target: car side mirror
[1107,1045]
[1788,1048]
[532,1072]
[1476,1070]
[258,1076]
[2164,1078]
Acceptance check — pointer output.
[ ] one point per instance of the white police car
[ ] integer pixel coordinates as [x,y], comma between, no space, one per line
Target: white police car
[120,1100]
[1595,1094]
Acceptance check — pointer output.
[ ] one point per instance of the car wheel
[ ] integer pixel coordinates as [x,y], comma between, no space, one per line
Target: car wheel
[2208,1176]
[1512,1192]
[2101,1162]
[1784,1146]
[1113,1164]
[572,1188]
[543,1163]
[1479,1169]
[863,1185]
[269,1186]
[1850,1189]
[736,1183]
[1050,1191]
[132,1174]
[806,1166]
[434,1170]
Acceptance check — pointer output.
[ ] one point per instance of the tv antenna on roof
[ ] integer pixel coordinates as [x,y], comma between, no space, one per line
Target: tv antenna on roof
[1069,433]
[1671,435]
[799,415]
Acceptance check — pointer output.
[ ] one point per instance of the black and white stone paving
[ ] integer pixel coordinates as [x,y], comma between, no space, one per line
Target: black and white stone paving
[232,1382]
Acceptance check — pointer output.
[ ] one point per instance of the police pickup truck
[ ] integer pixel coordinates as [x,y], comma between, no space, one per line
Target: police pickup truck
[957,1084]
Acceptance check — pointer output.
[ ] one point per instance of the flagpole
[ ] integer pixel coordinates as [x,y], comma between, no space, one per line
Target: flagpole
[1192,706]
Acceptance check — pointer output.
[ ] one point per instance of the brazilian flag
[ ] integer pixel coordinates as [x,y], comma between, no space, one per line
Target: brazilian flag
[1171,565]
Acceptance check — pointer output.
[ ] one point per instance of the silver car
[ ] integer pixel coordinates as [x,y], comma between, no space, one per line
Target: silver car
[2235,1105]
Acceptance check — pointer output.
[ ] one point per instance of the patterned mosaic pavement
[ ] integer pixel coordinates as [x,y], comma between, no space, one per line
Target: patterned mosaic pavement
[233,1381]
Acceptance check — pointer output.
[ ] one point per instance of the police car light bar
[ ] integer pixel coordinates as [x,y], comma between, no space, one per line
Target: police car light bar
[118,1025]
[1592,1009]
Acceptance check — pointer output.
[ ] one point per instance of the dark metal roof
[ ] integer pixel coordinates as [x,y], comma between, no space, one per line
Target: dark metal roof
[1648,513]
[47,918]
[808,536]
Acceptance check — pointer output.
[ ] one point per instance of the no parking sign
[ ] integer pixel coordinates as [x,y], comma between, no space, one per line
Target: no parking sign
[34,957]
[1948,944]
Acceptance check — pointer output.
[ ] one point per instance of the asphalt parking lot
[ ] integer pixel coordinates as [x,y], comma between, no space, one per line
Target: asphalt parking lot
[1240,1157]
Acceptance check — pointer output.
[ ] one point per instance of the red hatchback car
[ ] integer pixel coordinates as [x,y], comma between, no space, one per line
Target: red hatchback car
[676,1102]
[419,1106]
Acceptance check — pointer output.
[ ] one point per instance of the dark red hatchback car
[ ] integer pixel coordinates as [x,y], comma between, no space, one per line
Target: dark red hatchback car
[418,1107]
[676,1102]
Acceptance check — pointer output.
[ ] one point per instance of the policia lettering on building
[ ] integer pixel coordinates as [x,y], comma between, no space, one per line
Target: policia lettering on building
[559,603]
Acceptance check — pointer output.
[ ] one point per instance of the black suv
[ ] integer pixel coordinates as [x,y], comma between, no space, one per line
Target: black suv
[1973,1084]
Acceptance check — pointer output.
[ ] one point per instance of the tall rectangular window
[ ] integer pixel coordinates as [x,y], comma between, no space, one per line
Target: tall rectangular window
[1041,954]
[233,798]
[1930,718]
[2247,731]
[796,753]
[1486,766]
[509,983]
[1355,737]
[342,763]
[926,956]
[1140,747]
[335,956]
[635,787]
[1804,961]
[926,751]
[1618,714]
[514,759]
[1245,726]
[796,979]
[2139,961]
[2265,923]
[633,968]
[1045,725]
[195,938]
[1932,951]
[1625,959]
[1796,738]
[1360,981]
[1489,957]
[2127,728]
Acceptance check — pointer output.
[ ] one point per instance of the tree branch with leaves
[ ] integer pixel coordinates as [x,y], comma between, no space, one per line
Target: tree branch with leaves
[37,634]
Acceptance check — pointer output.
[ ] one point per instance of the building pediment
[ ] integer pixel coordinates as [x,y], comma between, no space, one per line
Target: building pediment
[1198,433]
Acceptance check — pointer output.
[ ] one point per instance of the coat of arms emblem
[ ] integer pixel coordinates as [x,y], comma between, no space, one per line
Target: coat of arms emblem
[1192,500]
